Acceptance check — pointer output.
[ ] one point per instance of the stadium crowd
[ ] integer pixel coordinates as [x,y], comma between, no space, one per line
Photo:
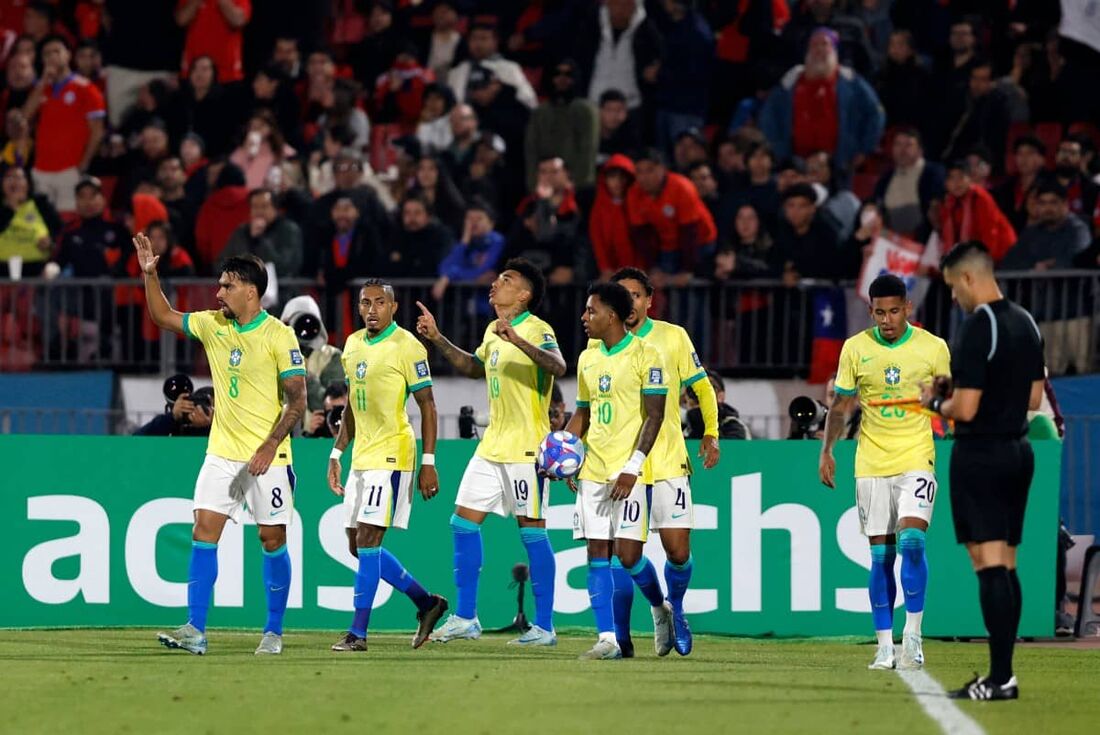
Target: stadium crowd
[716,139]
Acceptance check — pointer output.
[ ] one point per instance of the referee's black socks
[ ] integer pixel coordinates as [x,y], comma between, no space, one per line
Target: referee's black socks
[1001,611]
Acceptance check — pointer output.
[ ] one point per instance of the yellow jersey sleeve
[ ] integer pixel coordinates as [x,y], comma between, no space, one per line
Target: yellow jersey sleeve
[651,371]
[690,367]
[584,393]
[414,365]
[198,324]
[846,378]
[943,360]
[288,357]
[481,354]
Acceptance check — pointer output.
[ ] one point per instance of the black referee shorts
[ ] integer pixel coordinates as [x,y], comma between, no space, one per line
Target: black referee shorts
[990,479]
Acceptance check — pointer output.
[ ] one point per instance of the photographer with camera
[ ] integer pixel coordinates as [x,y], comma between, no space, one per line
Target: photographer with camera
[187,412]
[324,423]
[303,315]
[730,425]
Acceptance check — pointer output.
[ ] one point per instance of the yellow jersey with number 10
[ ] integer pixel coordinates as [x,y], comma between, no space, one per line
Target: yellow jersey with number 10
[519,392]
[382,372]
[892,440]
[247,364]
[612,385]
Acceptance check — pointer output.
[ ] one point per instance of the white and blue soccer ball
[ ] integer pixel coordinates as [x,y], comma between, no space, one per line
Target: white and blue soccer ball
[561,454]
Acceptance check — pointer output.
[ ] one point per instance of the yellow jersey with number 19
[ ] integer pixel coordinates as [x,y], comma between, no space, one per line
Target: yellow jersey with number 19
[382,372]
[519,392]
[248,363]
[892,440]
[612,385]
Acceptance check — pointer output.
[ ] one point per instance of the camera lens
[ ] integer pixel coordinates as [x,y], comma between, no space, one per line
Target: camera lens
[177,385]
[307,327]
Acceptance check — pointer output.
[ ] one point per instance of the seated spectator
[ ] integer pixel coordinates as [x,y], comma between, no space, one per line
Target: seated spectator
[28,224]
[263,152]
[564,126]
[683,76]
[984,119]
[903,83]
[1011,194]
[434,128]
[905,194]
[349,251]
[751,247]
[200,108]
[841,205]
[19,148]
[616,134]
[483,44]
[498,110]
[321,180]
[805,245]
[761,190]
[143,161]
[486,177]
[221,213]
[418,242]
[720,206]
[689,148]
[434,186]
[71,114]
[545,229]
[474,258]
[399,92]
[215,30]
[969,213]
[445,38]
[268,235]
[288,55]
[1081,192]
[370,213]
[671,228]
[619,47]
[823,106]
[608,225]
[20,78]
[1055,241]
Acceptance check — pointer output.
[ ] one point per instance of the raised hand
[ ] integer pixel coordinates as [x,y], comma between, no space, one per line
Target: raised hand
[425,324]
[146,260]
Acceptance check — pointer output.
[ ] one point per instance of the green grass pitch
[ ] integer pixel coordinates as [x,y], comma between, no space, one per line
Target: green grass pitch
[122,681]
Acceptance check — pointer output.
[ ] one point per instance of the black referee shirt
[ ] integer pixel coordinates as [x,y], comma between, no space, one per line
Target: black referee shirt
[998,351]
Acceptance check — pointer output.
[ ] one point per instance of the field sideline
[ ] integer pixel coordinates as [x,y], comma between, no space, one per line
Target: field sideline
[100,681]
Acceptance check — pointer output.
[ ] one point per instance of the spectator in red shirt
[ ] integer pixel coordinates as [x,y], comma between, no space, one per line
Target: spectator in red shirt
[71,116]
[969,213]
[671,227]
[221,213]
[608,226]
[399,92]
[214,30]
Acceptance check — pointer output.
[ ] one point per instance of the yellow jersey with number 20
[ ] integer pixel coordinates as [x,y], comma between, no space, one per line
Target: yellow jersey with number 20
[382,371]
[892,440]
[612,385]
[248,363]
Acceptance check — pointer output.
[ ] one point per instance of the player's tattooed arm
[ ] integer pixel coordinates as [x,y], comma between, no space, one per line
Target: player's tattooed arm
[428,478]
[550,360]
[463,361]
[294,388]
[835,421]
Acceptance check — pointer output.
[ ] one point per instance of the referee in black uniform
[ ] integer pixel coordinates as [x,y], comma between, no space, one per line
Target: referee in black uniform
[997,369]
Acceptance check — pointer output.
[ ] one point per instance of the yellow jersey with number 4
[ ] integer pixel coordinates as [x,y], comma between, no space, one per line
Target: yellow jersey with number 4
[519,392]
[612,385]
[248,363]
[892,440]
[382,371]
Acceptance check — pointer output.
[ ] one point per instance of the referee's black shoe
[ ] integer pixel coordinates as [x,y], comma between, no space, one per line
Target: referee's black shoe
[981,689]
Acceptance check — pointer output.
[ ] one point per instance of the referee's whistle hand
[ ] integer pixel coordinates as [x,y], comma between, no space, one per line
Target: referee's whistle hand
[826,470]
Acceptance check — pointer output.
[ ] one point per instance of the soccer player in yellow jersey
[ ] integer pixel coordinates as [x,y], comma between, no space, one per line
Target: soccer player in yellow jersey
[255,363]
[671,511]
[519,359]
[895,458]
[621,395]
[384,364]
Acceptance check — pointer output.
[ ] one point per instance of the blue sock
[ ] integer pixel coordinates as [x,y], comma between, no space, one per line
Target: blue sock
[622,599]
[644,575]
[366,585]
[394,573]
[879,585]
[277,584]
[200,585]
[544,567]
[467,541]
[678,577]
[914,568]
[600,590]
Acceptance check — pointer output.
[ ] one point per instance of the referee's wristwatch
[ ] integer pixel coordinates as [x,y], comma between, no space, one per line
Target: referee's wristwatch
[936,403]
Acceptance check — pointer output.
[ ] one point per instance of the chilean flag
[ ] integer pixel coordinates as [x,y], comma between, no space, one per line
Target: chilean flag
[830,331]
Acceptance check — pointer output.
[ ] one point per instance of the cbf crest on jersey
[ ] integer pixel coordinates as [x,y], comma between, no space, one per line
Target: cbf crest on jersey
[493,357]
[235,357]
[892,375]
[605,384]
[361,370]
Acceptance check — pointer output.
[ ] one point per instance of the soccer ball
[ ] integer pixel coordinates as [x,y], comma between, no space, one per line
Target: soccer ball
[561,454]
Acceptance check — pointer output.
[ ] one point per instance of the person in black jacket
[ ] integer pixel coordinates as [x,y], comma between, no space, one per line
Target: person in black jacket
[805,245]
[418,243]
[349,249]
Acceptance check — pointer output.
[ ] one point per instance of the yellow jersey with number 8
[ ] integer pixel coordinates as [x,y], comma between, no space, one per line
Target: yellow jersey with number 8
[892,440]
[612,385]
[248,363]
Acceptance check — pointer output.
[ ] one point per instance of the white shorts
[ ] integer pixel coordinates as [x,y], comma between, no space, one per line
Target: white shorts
[224,485]
[883,500]
[380,498]
[599,518]
[58,186]
[672,506]
[507,489]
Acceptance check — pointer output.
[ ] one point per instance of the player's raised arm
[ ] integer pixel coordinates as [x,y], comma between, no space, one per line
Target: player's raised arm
[463,361]
[294,388]
[549,358]
[161,312]
[344,437]
[428,479]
